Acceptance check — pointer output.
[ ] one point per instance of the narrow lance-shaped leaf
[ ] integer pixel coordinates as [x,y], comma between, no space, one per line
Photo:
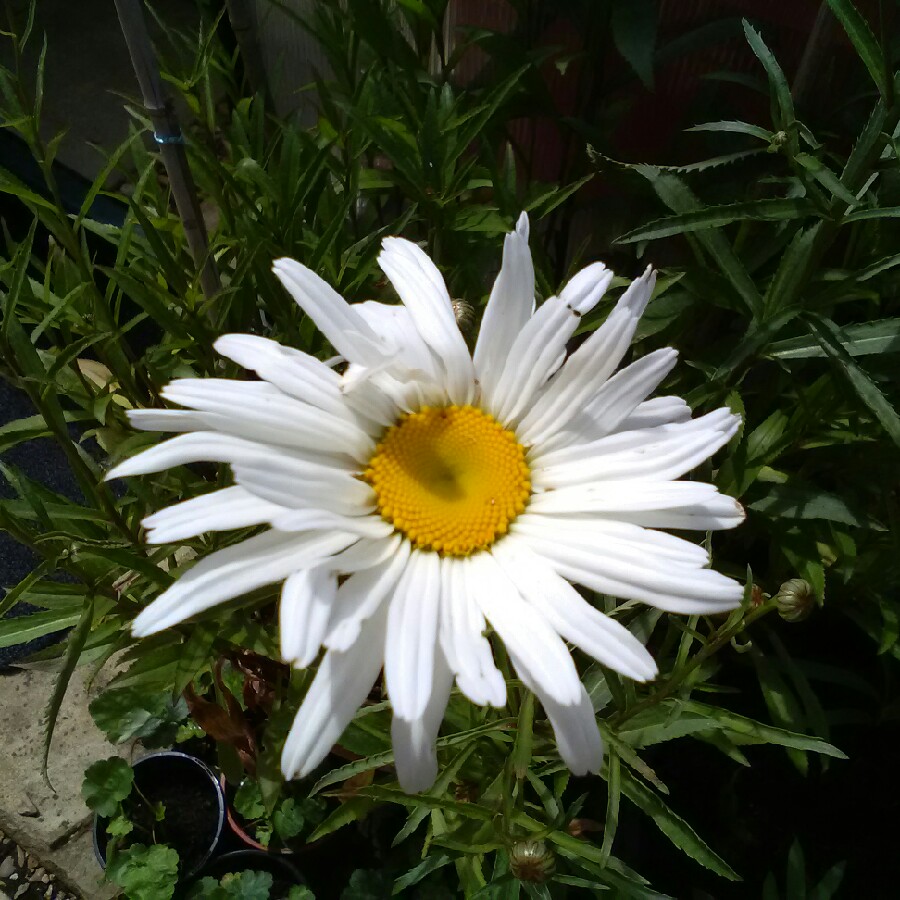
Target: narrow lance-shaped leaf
[674,827]
[865,44]
[828,335]
[717,216]
[74,646]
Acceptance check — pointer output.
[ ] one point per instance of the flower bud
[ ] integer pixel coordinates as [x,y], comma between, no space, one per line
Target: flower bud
[465,315]
[531,861]
[795,600]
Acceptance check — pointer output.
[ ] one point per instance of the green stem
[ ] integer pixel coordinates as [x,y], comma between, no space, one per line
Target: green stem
[720,638]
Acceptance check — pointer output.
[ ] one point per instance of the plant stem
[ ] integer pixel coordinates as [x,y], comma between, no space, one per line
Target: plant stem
[720,638]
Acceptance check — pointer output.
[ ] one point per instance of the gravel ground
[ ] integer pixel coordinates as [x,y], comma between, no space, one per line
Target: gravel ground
[23,878]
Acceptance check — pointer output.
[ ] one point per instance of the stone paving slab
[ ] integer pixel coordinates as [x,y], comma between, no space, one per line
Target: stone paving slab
[53,825]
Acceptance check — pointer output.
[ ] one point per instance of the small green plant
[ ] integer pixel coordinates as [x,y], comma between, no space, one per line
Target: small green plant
[248,885]
[292,818]
[137,857]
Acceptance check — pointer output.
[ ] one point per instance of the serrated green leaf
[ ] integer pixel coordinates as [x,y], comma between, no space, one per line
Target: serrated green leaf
[862,339]
[633,25]
[736,128]
[784,104]
[717,216]
[829,337]
[865,44]
[674,827]
[74,645]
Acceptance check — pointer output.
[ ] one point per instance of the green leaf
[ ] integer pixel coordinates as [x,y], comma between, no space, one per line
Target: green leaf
[784,105]
[106,784]
[680,199]
[863,215]
[128,713]
[717,216]
[368,884]
[792,501]
[862,339]
[74,645]
[288,819]
[145,873]
[119,826]
[865,44]
[827,887]
[829,337]
[826,178]
[737,128]
[248,801]
[634,34]
[352,810]
[196,654]
[791,276]
[431,863]
[674,827]
[22,629]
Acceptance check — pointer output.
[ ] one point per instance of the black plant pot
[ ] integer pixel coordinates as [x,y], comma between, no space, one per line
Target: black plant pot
[284,873]
[194,808]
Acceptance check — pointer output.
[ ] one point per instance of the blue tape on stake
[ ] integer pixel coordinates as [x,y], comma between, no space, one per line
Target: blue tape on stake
[168,138]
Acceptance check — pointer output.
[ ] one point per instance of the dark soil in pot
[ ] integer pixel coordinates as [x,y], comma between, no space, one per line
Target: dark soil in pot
[194,809]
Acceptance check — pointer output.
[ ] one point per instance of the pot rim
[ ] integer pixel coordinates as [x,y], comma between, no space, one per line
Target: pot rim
[220,797]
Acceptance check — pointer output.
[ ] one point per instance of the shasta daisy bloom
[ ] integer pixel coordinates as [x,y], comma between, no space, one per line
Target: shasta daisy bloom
[424,495]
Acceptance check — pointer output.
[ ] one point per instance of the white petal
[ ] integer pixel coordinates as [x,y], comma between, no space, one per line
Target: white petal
[524,631]
[228,573]
[509,307]
[362,594]
[295,373]
[212,446]
[616,572]
[609,406]
[540,347]
[612,534]
[667,504]
[260,412]
[656,411]
[412,636]
[295,482]
[307,598]
[657,454]
[590,365]
[222,510]
[320,519]
[413,741]
[414,356]
[571,615]
[345,329]
[166,420]
[421,288]
[462,638]
[341,685]
[575,726]
[364,554]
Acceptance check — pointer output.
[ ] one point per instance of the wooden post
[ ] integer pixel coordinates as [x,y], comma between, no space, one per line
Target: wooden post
[167,135]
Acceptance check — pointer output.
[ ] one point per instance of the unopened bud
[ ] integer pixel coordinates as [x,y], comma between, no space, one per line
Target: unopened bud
[795,600]
[531,861]
[465,315]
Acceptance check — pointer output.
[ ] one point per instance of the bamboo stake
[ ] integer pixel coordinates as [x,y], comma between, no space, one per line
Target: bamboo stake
[167,135]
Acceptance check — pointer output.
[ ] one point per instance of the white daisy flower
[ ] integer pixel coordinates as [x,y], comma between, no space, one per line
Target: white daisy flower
[425,494]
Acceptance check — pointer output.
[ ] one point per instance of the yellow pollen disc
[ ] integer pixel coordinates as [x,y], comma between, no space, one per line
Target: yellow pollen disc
[450,478]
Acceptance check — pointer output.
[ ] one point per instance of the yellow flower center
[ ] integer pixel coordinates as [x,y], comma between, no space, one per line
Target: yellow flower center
[450,478]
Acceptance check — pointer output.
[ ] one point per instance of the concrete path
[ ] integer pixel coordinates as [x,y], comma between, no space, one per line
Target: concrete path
[45,834]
